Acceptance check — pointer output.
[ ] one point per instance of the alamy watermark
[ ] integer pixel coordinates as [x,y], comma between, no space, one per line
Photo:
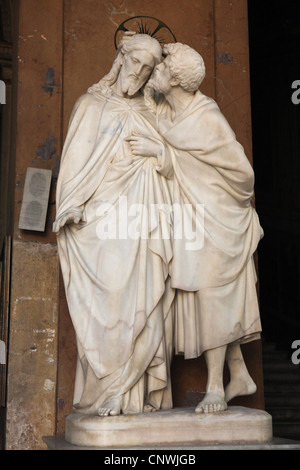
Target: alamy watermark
[2,92]
[296,354]
[123,221]
[2,352]
[296,95]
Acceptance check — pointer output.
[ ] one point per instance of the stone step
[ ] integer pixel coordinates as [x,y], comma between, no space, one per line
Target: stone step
[178,426]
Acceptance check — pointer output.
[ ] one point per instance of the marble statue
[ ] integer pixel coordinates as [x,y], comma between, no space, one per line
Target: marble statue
[216,307]
[148,156]
[115,263]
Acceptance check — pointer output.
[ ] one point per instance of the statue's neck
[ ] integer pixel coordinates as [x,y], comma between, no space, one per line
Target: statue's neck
[179,100]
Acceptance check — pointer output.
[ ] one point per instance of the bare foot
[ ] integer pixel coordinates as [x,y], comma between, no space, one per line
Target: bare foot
[211,403]
[149,409]
[239,386]
[111,407]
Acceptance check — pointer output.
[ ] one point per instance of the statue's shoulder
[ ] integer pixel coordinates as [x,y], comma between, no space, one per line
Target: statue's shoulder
[85,106]
[211,110]
[87,99]
[211,117]
[202,101]
[85,103]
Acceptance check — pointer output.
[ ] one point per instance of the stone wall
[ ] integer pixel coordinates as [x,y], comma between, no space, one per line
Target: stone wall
[33,333]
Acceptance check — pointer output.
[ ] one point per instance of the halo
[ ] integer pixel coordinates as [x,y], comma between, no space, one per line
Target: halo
[146,25]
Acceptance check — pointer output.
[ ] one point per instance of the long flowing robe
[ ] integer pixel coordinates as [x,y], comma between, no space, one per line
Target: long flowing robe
[115,261]
[213,270]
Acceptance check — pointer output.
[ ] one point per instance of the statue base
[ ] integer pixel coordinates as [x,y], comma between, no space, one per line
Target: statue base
[179,426]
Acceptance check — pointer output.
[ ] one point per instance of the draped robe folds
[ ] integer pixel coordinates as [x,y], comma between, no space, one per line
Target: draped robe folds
[214,272]
[116,281]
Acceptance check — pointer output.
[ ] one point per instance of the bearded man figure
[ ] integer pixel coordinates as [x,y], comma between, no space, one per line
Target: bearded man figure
[114,262]
[216,301]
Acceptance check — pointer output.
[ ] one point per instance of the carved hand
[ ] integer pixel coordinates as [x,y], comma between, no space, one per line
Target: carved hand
[68,218]
[143,146]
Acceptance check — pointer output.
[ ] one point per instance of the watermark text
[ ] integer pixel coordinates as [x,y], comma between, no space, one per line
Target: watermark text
[2,352]
[123,221]
[296,94]
[296,354]
[2,92]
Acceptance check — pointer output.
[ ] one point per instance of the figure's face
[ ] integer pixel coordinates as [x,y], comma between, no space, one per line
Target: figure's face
[162,79]
[135,71]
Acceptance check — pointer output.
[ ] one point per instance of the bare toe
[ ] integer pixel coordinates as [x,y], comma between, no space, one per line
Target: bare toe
[110,407]
[149,409]
[211,403]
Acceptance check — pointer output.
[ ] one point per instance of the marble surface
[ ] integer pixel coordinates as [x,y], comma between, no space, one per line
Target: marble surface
[181,426]
[277,443]
[178,155]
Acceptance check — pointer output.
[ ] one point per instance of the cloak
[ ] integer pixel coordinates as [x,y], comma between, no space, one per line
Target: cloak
[117,286]
[212,270]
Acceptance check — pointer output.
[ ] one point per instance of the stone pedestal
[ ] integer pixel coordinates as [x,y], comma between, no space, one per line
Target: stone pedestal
[180,426]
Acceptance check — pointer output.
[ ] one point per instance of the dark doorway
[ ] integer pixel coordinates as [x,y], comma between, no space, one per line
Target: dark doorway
[274,39]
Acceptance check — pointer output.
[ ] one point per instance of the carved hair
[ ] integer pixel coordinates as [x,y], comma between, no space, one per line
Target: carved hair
[186,65]
[128,44]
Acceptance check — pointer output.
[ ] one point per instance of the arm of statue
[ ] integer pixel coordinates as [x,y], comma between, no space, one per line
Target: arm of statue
[142,146]
[70,217]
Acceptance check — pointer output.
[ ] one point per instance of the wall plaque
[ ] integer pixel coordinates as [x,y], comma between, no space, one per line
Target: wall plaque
[35,199]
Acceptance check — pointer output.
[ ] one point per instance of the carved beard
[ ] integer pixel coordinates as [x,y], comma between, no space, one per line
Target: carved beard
[131,86]
[152,83]
[156,84]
